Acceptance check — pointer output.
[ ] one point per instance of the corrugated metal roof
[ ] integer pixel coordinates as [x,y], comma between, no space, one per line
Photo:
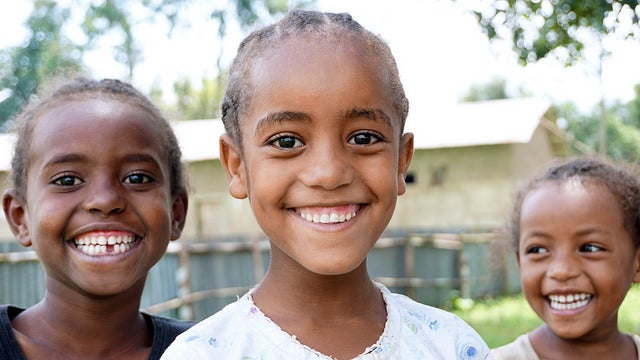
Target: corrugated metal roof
[468,124]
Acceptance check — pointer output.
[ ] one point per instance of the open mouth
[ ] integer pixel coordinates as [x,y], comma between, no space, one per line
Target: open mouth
[569,301]
[105,243]
[329,215]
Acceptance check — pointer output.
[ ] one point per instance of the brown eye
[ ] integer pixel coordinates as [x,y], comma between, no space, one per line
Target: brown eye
[286,142]
[137,179]
[364,138]
[67,180]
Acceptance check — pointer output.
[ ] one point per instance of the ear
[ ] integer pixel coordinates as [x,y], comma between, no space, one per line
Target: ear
[404,160]
[179,214]
[636,264]
[15,211]
[233,165]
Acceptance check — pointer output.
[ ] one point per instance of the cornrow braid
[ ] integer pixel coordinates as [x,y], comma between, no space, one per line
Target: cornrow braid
[80,89]
[334,27]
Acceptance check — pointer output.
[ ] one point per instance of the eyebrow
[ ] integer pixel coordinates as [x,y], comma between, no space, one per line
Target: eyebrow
[78,158]
[377,115]
[64,159]
[279,117]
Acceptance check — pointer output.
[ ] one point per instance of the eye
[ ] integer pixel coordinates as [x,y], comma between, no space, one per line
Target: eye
[536,250]
[67,180]
[590,248]
[286,142]
[137,178]
[364,138]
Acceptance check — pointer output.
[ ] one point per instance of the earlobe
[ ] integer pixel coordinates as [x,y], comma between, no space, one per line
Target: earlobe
[404,160]
[17,217]
[233,165]
[179,214]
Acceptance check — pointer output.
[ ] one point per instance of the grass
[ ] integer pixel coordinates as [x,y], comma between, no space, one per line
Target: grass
[501,320]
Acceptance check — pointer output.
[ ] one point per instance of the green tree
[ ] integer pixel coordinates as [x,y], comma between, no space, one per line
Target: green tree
[539,27]
[495,89]
[45,54]
[192,103]
[48,53]
[623,136]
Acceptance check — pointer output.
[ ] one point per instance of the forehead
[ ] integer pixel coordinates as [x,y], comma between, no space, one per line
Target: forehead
[572,198]
[336,71]
[97,123]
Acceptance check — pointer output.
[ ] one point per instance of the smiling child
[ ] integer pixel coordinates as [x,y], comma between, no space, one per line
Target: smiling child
[98,192]
[577,233]
[314,115]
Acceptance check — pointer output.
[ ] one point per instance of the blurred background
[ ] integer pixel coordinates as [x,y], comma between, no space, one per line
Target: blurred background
[497,90]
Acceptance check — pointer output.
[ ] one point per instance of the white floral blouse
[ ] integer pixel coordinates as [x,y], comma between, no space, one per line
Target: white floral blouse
[413,331]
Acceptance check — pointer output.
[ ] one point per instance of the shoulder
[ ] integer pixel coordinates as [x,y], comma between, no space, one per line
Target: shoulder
[520,348]
[165,330]
[433,331]
[9,348]
[636,341]
[210,335]
[172,327]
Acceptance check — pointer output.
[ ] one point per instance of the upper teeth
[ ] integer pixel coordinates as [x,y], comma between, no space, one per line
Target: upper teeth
[327,218]
[97,244]
[569,302]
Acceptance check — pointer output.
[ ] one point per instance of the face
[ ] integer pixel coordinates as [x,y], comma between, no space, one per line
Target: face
[577,260]
[323,158]
[98,209]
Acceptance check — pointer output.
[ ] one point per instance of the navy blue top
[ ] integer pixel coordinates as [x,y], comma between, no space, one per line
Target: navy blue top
[164,331]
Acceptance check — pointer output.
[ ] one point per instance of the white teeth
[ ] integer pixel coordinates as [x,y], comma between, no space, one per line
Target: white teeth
[569,302]
[102,245]
[328,218]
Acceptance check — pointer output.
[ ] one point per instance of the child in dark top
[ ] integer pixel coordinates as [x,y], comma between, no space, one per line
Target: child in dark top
[98,191]
[576,230]
[314,116]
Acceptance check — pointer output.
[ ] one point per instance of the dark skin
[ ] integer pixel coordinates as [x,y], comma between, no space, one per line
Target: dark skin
[90,190]
[337,315]
[316,142]
[548,345]
[95,326]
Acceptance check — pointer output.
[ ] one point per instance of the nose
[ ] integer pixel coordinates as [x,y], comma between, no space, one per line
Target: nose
[327,166]
[104,197]
[563,267]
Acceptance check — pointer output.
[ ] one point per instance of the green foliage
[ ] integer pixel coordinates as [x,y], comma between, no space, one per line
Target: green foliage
[623,135]
[540,27]
[501,320]
[45,54]
[495,89]
[203,103]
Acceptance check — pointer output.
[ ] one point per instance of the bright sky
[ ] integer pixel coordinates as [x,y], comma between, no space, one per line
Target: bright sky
[438,46]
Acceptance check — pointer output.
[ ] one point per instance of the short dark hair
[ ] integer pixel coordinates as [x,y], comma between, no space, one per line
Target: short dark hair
[621,179]
[83,88]
[302,22]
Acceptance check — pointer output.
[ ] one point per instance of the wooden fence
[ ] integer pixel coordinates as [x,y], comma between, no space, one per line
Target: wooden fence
[195,279]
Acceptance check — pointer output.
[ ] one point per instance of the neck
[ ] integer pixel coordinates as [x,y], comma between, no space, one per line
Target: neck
[611,344]
[80,325]
[309,294]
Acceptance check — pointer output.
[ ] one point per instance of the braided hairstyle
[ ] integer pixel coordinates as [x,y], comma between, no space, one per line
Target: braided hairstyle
[81,89]
[621,179]
[303,23]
